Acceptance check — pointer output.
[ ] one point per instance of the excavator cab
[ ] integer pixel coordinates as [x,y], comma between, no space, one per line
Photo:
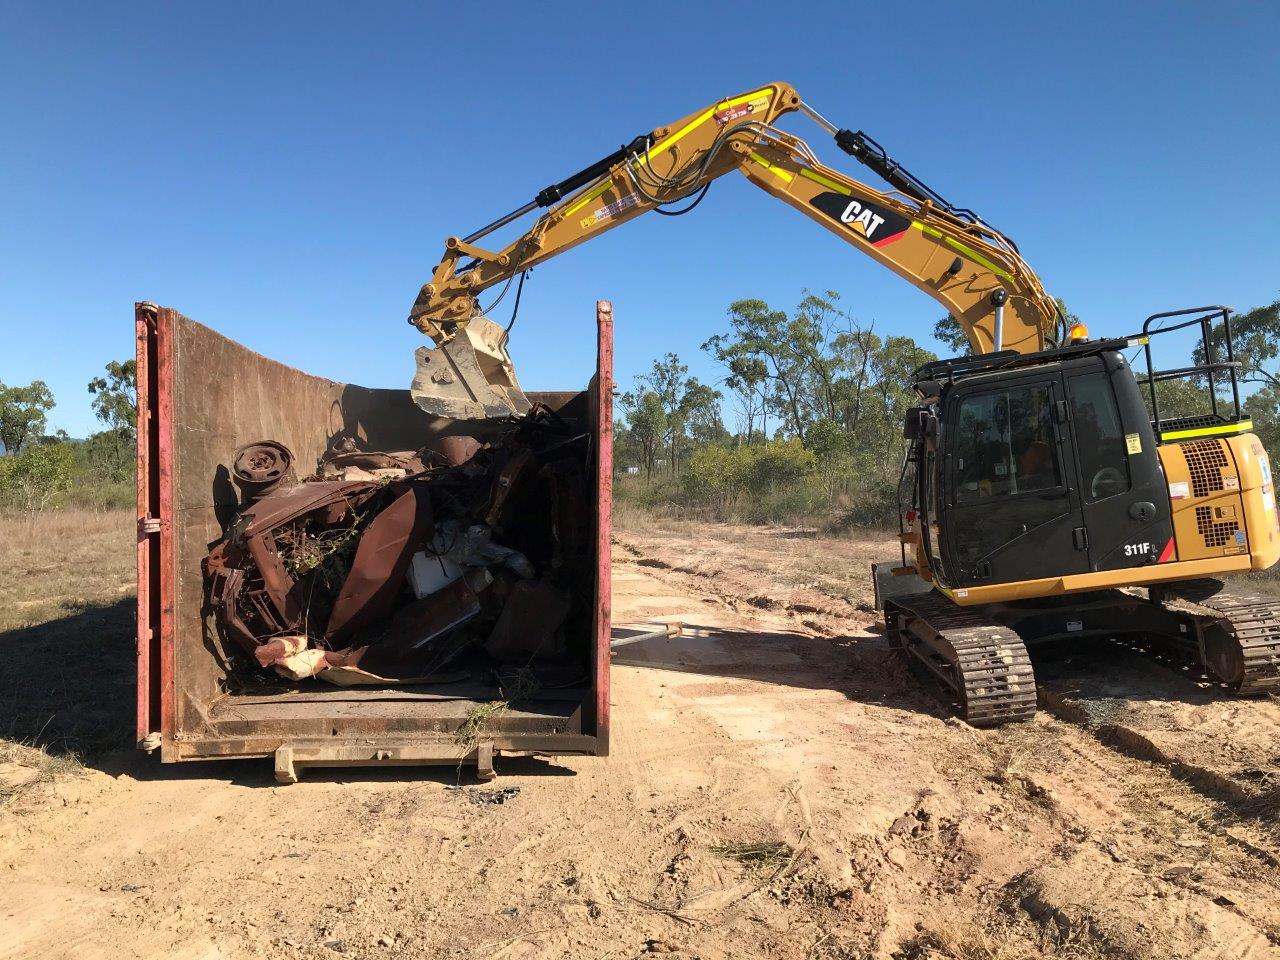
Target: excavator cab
[1054,499]
[1048,468]
[1050,464]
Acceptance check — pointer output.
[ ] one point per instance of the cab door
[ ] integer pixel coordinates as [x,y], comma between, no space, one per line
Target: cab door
[1012,508]
[1122,486]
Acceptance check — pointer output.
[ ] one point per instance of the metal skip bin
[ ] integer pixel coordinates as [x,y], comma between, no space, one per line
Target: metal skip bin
[203,401]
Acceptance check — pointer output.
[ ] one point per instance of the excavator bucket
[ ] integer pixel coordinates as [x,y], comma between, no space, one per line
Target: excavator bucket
[470,376]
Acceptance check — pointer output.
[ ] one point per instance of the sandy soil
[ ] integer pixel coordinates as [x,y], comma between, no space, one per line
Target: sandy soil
[1134,817]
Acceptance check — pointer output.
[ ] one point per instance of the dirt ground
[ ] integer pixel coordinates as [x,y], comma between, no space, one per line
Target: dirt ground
[779,787]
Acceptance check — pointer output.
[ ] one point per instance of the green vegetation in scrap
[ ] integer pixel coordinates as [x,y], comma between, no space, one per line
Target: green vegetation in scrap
[519,684]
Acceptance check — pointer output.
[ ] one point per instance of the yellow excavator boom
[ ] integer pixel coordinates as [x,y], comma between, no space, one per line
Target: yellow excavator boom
[971,269]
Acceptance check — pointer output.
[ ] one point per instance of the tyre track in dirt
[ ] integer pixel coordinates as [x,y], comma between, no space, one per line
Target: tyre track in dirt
[817,612]
[1183,806]
[908,834]
[1132,697]
[1155,706]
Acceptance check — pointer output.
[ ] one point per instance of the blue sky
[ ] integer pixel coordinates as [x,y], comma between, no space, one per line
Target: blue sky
[287,173]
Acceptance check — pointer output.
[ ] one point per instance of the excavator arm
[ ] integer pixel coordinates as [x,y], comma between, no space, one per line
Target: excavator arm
[971,269]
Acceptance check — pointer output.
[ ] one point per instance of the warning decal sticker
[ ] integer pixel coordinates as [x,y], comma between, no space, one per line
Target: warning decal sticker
[611,210]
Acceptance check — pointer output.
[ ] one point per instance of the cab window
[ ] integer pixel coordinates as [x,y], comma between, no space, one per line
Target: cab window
[1005,444]
[1103,454]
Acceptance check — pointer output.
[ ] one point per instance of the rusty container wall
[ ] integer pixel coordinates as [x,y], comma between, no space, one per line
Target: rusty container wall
[201,395]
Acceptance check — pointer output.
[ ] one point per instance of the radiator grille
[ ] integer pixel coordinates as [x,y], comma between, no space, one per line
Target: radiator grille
[1216,534]
[1205,458]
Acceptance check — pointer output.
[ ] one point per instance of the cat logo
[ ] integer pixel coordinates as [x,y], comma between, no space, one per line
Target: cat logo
[878,226]
[856,215]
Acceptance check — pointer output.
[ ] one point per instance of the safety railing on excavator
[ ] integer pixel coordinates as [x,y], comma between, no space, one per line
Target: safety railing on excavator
[1207,371]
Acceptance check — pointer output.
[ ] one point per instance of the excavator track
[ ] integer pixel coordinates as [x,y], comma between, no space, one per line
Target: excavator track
[1238,632]
[983,664]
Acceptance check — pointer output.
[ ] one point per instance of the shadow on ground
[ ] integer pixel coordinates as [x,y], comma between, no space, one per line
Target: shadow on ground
[1124,670]
[864,669]
[260,771]
[861,667]
[69,688]
[68,683]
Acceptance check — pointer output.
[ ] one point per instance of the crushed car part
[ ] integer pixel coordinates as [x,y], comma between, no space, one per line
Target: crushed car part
[349,463]
[530,620]
[310,662]
[417,624]
[280,588]
[333,498]
[381,559]
[315,580]
[456,450]
[200,396]
[520,464]
[458,546]
[293,657]
[250,588]
[280,648]
[429,572]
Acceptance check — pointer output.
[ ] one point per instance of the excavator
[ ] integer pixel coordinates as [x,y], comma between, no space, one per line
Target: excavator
[1049,498]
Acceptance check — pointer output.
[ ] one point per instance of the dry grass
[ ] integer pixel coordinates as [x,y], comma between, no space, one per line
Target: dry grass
[1001,939]
[24,768]
[766,856]
[61,561]
[634,518]
[67,583]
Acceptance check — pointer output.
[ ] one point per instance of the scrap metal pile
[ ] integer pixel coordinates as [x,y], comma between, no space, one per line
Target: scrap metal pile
[410,567]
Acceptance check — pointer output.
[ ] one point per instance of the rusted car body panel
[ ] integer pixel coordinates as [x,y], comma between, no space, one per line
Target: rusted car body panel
[202,396]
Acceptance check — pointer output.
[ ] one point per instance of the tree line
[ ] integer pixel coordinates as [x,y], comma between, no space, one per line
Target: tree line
[816,401]
[38,467]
